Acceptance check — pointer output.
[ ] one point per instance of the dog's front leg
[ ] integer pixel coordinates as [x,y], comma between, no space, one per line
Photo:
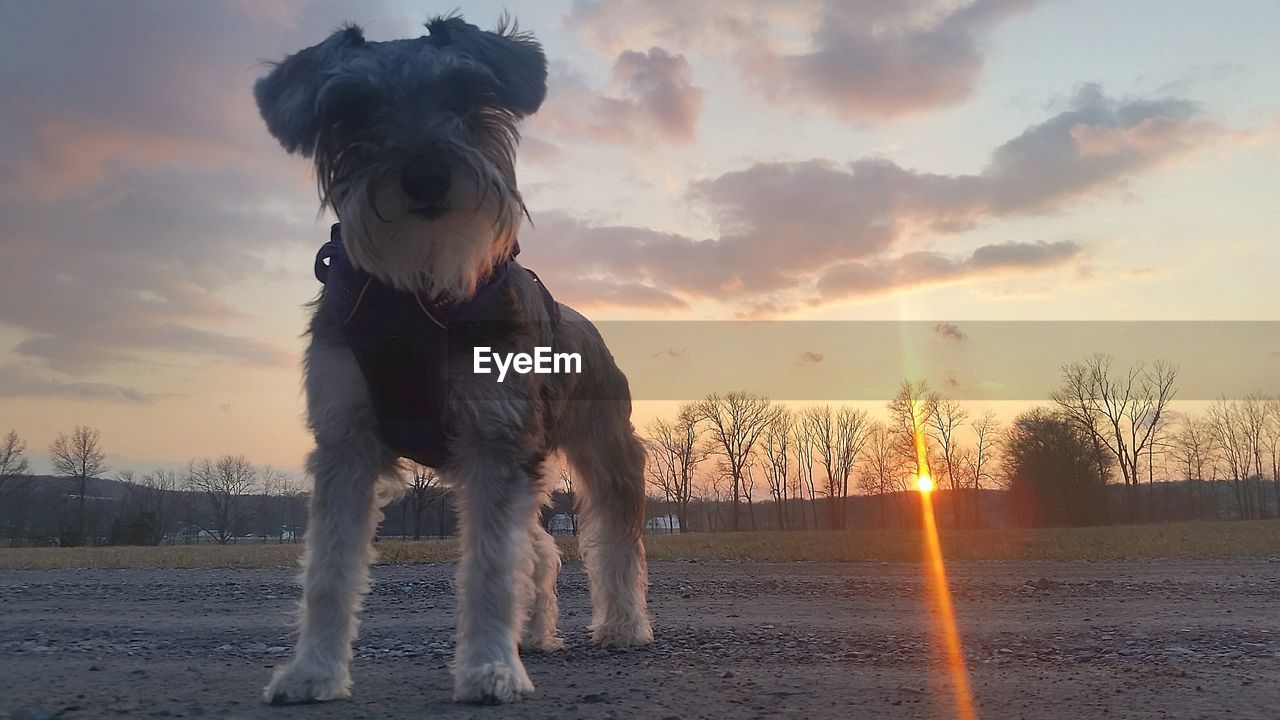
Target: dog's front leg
[335,575]
[495,500]
[346,463]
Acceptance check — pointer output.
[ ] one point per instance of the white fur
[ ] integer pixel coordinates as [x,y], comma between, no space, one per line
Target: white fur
[541,566]
[347,463]
[445,257]
[613,551]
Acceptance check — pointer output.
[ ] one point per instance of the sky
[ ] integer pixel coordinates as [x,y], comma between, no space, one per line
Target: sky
[871,160]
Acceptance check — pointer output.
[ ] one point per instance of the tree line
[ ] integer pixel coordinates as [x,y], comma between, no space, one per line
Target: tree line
[216,500]
[1107,448]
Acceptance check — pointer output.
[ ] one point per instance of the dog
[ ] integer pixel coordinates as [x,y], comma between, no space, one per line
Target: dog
[414,146]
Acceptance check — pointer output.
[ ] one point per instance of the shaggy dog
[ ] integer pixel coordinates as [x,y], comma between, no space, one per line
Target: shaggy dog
[414,147]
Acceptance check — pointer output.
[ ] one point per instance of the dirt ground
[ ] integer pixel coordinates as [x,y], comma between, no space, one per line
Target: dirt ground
[1135,639]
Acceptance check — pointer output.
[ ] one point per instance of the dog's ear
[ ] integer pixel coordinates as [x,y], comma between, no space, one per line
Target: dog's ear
[515,58]
[287,95]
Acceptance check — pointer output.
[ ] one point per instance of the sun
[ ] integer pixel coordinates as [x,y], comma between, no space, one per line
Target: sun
[924,484]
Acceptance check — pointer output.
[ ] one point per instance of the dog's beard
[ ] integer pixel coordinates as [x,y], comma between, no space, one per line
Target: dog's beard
[445,256]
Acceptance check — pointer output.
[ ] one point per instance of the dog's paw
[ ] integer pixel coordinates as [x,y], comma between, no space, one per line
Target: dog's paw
[623,635]
[493,683]
[295,683]
[543,643]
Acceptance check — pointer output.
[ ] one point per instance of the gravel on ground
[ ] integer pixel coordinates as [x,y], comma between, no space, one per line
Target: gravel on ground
[1046,639]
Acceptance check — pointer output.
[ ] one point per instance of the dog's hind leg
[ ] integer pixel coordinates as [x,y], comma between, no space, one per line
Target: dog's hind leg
[609,460]
[344,510]
[495,497]
[542,609]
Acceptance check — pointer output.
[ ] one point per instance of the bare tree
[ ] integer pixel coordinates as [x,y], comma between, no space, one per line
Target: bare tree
[883,465]
[293,500]
[79,456]
[1273,445]
[1240,428]
[566,484]
[986,433]
[803,443]
[225,483]
[911,414]
[15,486]
[1122,412]
[674,455]
[118,511]
[1195,448]
[714,491]
[749,486]
[278,513]
[946,418]
[13,462]
[156,492]
[423,486]
[1232,441]
[1253,418]
[838,437]
[776,446]
[736,421]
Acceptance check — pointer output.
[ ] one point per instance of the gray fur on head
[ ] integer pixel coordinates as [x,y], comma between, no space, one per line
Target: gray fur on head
[414,143]
[469,69]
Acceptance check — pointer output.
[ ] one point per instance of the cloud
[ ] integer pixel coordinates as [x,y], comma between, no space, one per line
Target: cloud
[142,268]
[832,231]
[879,60]
[950,332]
[23,381]
[918,269]
[613,26]
[604,292]
[862,60]
[650,96]
[137,182]
[1094,144]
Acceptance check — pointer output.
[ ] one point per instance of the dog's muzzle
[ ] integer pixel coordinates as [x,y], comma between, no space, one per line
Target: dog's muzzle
[426,181]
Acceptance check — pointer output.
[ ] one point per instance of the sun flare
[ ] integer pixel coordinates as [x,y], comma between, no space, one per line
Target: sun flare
[940,589]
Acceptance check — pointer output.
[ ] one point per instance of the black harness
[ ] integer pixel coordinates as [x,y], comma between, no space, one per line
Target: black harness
[401,341]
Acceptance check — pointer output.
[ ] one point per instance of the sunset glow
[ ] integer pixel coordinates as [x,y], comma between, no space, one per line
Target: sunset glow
[939,590]
[941,596]
[1019,172]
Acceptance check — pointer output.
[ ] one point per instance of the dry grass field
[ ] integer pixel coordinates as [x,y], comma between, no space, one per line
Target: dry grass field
[1179,540]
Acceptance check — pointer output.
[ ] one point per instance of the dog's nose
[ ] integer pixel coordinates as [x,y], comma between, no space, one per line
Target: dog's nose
[426,182]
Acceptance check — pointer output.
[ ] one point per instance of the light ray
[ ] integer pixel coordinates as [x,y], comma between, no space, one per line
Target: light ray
[941,591]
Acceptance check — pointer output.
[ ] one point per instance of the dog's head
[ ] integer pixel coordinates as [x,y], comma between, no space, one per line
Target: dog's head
[414,144]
